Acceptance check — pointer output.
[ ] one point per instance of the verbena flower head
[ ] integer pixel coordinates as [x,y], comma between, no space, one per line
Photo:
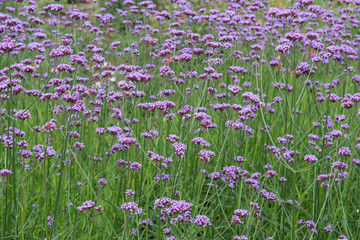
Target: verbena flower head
[5,172]
[54,7]
[202,220]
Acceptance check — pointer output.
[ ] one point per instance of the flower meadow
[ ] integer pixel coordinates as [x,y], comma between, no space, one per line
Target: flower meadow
[179,120]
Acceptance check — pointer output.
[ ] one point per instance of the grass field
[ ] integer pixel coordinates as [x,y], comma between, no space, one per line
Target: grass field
[179,120]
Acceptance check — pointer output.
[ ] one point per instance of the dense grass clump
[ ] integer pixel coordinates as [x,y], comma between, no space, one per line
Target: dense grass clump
[179,120]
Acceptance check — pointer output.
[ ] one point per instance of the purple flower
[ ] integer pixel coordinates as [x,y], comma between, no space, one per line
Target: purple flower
[202,220]
[129,193]
[344,151]
[103,181]
[173,138]
[7,45]
[268,195]
[50,220]
[132,207]
[5,172]
[243,237]
[328,228]
[205,155]
[310,158]
[135,166]
[241,212]
[86,205]
[167,231]
[282,179]
[179,149]
[310,224]
[54,7]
